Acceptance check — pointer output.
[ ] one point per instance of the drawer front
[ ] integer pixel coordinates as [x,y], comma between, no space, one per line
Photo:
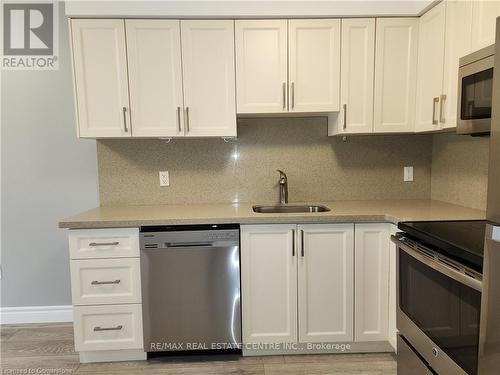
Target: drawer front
[104,243]
[105,281]
[111,327]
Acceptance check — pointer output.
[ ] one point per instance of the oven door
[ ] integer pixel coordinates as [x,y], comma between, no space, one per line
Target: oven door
[475,89]
[438,311]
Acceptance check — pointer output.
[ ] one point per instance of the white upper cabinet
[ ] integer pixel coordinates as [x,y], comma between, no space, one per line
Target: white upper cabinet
[395,74]
[155,77]
[372,254]
[484,14]
[357,74]
[100,69]
[314,63]
[431,48]
[261,66]
[326,278]
[457,44]
[269,283]
[209,78]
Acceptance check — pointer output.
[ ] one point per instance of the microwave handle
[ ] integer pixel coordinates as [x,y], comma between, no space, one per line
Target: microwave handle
[438,266]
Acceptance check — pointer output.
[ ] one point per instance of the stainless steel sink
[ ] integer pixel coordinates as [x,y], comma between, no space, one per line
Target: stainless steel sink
[289,208]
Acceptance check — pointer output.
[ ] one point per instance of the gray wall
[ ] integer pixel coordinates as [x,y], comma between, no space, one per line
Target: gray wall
[46,174]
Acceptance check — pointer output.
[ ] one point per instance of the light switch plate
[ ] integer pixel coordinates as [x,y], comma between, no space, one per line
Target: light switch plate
[408,174]
[164,178]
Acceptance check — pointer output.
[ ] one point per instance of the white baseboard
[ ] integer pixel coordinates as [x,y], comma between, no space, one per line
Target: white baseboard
[36,314]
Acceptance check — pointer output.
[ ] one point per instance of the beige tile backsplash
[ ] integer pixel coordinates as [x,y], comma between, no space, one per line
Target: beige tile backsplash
[460,169]
[318,167]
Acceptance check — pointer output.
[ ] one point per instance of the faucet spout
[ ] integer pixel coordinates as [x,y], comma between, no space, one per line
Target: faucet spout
[283,184]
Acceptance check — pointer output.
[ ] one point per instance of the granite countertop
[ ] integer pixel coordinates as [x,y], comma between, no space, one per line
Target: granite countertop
[392,211]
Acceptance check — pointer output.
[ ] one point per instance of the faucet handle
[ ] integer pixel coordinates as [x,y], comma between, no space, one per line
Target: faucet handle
[282,174]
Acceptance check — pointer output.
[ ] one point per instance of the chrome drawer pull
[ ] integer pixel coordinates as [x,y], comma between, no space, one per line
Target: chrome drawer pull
[104,243]
[95,282]
[99,329]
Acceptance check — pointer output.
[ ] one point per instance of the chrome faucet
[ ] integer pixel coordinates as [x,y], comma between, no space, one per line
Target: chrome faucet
[283,182]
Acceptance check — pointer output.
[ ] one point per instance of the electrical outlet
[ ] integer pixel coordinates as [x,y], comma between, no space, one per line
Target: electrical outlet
[164,178]
[408,174]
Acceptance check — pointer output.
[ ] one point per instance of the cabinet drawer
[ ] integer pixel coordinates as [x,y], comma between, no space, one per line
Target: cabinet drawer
[105,281]
[111,327]
[104,243]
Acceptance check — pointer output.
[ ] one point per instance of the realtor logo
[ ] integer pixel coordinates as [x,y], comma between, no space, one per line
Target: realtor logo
[30,36]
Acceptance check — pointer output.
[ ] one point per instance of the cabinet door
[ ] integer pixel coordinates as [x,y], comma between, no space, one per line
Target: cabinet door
[457,44]
[484,14]
[100,69]
[269,283]
[371,282]
[430,68]
[209,78]
[314,63]
[357,70]
[261,66]
[154,67]
[326,257]
[396,45]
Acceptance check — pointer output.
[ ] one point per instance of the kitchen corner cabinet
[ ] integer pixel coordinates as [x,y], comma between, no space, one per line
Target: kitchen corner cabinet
[287,66]
[179,84]
[371,283]
[396,49]
[431,46]
[281,262]
[356,79]
[100,78]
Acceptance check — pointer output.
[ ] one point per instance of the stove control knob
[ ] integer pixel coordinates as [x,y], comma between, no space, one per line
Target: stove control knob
[435,352]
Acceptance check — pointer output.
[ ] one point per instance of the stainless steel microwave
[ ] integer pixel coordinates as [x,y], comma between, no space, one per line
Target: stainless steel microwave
[475,89]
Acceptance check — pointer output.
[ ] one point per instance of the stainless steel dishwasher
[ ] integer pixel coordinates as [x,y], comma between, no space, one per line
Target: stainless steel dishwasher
[191,287]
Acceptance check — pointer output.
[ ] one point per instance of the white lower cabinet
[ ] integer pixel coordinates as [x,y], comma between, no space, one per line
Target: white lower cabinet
[106,291]
[281,262]
[371,282]
[269,283]
[326,282]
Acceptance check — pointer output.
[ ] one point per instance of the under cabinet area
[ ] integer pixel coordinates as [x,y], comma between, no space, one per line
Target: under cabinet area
[316,283]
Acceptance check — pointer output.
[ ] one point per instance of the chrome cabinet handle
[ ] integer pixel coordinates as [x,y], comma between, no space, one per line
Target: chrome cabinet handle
[293,95]
[345,116]
[124,110]
[187,119]
[293,242]
[104,243]
[284,95]
[95,282]
[442,119]
[434,102]
[302,243]
[99,329]
[179,118]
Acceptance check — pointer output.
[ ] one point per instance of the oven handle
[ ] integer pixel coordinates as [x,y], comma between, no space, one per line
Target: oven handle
[440,267]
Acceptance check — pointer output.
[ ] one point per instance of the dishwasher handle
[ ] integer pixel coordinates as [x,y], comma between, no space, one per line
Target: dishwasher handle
[181,245]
